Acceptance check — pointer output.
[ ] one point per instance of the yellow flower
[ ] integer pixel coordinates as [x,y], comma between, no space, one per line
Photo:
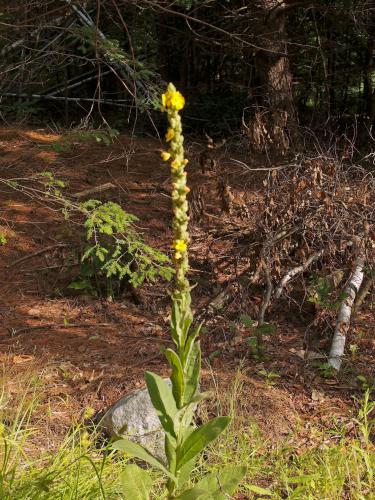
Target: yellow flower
[173,99]
[180,245]
[165,155]
[177,255]
[176,164]
[169,135]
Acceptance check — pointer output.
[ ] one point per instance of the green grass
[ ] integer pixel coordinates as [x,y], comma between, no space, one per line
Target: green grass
[334,467]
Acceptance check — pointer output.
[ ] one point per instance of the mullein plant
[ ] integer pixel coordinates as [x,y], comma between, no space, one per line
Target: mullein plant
[176,404]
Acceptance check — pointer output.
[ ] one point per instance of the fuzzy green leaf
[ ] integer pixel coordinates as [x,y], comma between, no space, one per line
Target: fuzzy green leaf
[192,372]
[170,451]
[190,341]
[136,483]
[184,417]
[162,400]
[136,450]
[260,491]
[178,382]
[195,494]
[185,472]
[246,320]
[200,438]
[216,486]
[175,323]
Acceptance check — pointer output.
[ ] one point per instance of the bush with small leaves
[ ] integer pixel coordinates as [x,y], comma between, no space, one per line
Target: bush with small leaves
[116,253]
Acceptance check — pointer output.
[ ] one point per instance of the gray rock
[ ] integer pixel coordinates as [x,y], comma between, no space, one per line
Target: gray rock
[134,417]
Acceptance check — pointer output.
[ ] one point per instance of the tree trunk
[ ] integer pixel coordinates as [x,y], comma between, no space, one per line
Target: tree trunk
[275,119]
[368,88]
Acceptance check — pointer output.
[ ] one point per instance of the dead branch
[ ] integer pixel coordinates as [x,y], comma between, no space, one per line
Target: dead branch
[267,293]
[259,169]
[120,103]
[94,190]
[57,325]
[39,252]
[296,270]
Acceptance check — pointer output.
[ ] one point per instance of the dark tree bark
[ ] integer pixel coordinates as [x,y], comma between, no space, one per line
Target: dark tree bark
[368,88]
[275,120]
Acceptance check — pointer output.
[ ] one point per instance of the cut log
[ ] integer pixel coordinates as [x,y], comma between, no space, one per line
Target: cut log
[343,318]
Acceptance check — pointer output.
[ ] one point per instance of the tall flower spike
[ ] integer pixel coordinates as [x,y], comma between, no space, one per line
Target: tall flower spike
[172,102]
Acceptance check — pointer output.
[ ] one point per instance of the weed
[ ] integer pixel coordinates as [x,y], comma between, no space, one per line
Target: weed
[269,376]
[256,347]
[327,371]
[324,294]
[366,383]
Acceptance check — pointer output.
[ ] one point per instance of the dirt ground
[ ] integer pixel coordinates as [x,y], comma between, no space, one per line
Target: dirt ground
[90,352]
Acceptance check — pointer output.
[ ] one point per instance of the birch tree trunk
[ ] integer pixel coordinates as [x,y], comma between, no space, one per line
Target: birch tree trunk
[343,318]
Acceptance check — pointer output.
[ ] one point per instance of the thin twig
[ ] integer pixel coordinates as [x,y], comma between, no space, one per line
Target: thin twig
[57,325]
[39,252]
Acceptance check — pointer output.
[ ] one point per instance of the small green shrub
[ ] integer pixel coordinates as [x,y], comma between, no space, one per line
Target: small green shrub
[116,253]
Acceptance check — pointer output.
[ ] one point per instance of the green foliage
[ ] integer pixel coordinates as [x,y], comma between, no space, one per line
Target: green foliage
[74,468]
[136,483]
[88,42]
[52,185]
[116,253]
[3,239]
[324,294]
[366,383]
[21,109]
[216,486]
[327,371]
[254,341]
[269,376]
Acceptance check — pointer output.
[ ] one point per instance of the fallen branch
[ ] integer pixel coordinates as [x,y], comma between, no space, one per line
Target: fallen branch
[57,325]
[296,270]
[260,169]
[39,252]
[94,190]
[343,318]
